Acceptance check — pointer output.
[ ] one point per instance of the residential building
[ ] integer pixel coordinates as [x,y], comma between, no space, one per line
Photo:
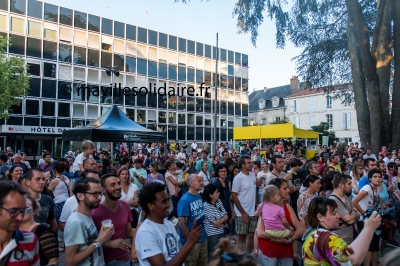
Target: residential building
[308,108]
[268,105]
[65,47]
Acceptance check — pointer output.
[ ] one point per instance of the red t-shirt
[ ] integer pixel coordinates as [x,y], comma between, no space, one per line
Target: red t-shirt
[275,250]
[119,219]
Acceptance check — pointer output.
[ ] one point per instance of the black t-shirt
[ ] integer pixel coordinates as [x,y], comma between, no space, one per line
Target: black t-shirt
[46,211]
[324,155]
[106,166]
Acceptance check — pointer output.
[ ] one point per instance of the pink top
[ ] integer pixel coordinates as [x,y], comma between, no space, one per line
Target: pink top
[272,215]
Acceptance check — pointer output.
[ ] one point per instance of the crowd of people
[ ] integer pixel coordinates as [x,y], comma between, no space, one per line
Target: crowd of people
[156,204]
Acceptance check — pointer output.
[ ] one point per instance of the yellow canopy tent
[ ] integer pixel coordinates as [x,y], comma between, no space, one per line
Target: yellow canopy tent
[276,131]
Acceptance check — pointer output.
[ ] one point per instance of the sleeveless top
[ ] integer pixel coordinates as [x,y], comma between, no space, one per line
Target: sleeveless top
[61,190]
[275,250]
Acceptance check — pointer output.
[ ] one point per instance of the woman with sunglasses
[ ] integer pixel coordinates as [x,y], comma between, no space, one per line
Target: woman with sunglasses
[48,242]
[368,198]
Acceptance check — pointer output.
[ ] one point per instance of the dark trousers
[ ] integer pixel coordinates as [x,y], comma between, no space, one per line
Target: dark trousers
[174,212]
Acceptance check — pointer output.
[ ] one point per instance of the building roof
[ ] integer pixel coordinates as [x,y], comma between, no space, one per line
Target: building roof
[305,93]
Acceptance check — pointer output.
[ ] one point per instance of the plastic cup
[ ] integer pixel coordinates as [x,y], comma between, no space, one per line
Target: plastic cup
[106,224]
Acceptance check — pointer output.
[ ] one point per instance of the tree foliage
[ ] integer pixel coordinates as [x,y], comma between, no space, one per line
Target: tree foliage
[14,82]
[281,120]
[323,128]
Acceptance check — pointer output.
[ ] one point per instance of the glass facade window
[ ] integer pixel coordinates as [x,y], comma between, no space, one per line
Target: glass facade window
[231,82]
[190,47]
[238,109]
[119,61]
[181,73]
[182,45]
[4,5]
[238,58]
[162,40]
[50,12]
[172,42]
[207,106]
[49,88]
[214,53]
[61,95]
[131,32]
[66,16]
[222,54]
[48,108]
[152,69]
[35,9]
[34,69]
[162,117]
[245,60]
[172,73]
[199,133]
[106,26]
[172,104]
[238,84]
[230,57]
[18,25]
[199,105]
[181,131]
[190,104]
[162,103]
[199,76]
[231,108]
[230,70]
[190,75]
[208,80]
[80,20]
[31,107]
[50,50]
[245,85]
[94,23]
[130,64]
[171,132]
[80,56]
[142,66]
[34,85]
[106,59]
[222,107]
[162,70]
[207,51]
[199,49]
[119,29]
[65,53]
[18,6]
[34,47]
[152,37]
[18,44]
[31,121]
[142,35]
[245,110]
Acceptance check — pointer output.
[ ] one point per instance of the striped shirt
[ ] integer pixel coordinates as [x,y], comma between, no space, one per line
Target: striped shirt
[213,213]
[22,250]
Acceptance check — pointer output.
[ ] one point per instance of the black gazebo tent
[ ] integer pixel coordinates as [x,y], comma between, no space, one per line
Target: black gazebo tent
[114,126]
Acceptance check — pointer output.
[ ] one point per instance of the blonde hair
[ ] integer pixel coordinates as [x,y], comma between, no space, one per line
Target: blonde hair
[269,192]
[87,144]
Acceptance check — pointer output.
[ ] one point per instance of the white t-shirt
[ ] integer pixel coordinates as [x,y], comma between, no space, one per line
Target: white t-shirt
[130,195]
[79,160]
[194,146]
[371,200]
[159,239]
[70,206]
[245,187]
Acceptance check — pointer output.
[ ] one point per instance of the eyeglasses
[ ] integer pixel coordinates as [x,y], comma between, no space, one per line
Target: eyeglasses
[16,213]
[95,194]
[222,171]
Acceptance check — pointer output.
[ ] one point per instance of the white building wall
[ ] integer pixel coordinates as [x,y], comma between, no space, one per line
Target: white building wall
[269,115]
[312,109]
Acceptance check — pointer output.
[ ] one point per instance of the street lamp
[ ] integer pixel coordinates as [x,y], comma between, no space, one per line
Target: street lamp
[111,71]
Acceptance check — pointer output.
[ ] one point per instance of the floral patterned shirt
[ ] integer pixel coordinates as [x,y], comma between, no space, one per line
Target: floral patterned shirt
[322,247]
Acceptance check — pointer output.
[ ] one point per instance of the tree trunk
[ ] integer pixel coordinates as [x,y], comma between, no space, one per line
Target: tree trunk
[383,66]
[395,119]
[369,65]
[360,97]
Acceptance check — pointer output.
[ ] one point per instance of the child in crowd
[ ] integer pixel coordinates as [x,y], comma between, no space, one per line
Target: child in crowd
[178,172]
[275,223]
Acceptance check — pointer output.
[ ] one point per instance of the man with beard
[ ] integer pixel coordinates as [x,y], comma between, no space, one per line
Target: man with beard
[119,212]
[346,210]
[83,244]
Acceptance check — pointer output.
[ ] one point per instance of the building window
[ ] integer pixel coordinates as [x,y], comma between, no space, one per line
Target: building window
[261,104]
[131,32]
[275,102]
[50,12]
[172,42]
[264,121]
[329,102]
[297,122]
[119,29]
[94,23]
[162,40]
[329,120]
[80,20]
[106,26]
[346,120]
[65,16]
[311,121]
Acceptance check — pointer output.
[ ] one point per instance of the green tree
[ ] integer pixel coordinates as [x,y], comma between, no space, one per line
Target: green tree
[323,128]
[351,42]
[14,81]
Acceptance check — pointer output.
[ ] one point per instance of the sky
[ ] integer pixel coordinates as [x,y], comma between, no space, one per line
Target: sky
[200,21]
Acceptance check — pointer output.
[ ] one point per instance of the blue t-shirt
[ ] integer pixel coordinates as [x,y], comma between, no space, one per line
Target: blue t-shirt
[363,181]
[191,206]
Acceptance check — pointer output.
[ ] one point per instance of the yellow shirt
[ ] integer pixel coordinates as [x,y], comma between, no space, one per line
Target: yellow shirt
[337,168]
